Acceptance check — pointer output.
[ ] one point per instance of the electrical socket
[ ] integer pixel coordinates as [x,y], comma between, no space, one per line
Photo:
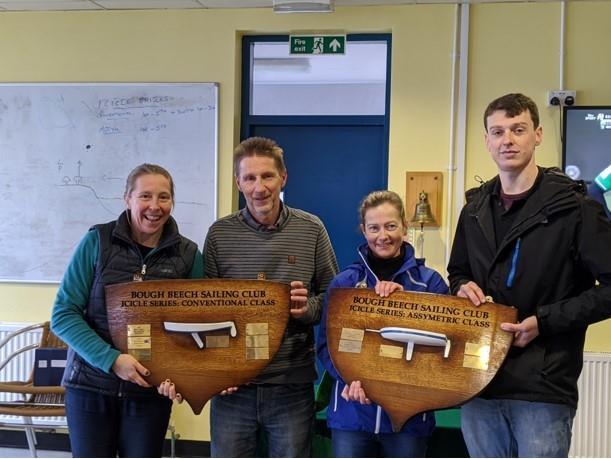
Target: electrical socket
[560,97]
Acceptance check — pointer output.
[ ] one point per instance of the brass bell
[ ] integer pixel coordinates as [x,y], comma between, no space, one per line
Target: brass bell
[423,214]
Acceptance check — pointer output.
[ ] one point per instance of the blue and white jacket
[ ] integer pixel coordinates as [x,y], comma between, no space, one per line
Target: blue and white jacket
[343,415]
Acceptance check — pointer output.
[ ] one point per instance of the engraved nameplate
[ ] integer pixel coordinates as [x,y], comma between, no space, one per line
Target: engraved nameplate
[348,345]
[476,356]
[257,353]
[476,349]
[475,362]
[217,341]
[353,334]
[139,330]
[394,352]
[138,342]
[256,329]
[141,355]
[257,341]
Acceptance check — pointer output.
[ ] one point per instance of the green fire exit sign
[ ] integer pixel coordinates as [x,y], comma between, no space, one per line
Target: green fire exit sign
[318,44]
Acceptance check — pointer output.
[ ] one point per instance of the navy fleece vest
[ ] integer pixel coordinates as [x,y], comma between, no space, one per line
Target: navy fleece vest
[118,260]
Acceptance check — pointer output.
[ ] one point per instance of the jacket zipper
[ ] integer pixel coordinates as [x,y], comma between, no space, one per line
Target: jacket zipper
[514,263]
[378,419]
[368,269]
[156,249]
[336,392]
[363,282]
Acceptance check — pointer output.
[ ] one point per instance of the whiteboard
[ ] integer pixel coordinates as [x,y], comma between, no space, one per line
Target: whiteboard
[66,151]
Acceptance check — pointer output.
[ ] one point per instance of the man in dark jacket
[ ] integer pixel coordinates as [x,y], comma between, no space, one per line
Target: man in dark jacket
[530,238]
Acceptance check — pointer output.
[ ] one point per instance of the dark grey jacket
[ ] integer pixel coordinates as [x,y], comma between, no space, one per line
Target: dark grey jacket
[547,265]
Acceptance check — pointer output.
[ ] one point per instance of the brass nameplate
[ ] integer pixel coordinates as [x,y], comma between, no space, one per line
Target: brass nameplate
[138,342]
[394,352]
[475,362]
[353,334]
[256,329]
[476,356]
[140,354]
[139,330]
[351,340]
[257,341]
[479,350]
[348,345]
[217,341]
[257,353]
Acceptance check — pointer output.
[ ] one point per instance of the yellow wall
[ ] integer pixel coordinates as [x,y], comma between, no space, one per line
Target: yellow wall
[513,47]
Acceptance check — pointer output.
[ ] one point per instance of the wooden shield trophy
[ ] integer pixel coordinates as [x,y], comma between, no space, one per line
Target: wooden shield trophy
[204,335]
[415,352]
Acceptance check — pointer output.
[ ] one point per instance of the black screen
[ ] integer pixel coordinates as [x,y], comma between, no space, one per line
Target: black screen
[587,141]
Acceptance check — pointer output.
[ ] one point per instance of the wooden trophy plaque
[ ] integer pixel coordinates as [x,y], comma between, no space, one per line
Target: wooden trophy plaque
[204,335]
[415,352]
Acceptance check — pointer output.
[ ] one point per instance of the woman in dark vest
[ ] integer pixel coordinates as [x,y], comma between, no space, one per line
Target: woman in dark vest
[110,408]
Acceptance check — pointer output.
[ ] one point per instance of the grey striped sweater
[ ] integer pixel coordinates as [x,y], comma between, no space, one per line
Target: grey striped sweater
[296,248]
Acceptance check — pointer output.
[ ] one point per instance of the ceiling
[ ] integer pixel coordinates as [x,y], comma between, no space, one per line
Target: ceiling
[66,5]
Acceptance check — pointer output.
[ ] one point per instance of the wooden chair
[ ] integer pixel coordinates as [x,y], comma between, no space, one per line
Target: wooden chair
[31,401]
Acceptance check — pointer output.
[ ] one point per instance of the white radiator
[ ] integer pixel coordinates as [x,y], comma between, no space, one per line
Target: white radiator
[20,368]
[592,424]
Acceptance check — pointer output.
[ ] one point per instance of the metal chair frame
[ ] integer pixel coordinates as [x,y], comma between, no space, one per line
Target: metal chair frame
[37,401]
[40,401]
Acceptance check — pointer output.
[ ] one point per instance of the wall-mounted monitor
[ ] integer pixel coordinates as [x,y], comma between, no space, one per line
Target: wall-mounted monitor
[586,149]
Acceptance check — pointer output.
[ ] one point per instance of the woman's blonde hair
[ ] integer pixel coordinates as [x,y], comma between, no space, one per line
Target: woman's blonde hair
[377,198]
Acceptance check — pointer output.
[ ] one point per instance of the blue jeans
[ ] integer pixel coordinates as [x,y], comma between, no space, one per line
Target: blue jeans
[104,426]
[351,443]
[516,428]
[285,412]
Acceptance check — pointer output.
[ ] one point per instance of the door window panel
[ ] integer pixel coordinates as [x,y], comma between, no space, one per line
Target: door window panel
[350,84]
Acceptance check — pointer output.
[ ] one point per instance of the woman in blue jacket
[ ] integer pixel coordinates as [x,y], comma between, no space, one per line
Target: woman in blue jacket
[359,427]
[110,407]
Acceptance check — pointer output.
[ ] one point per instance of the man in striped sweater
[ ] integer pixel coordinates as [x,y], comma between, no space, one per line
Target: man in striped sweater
[269,240]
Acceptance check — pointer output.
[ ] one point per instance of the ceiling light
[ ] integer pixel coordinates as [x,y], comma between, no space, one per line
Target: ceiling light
[303,6]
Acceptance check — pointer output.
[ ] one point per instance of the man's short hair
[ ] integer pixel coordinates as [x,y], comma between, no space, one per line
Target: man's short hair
[513,105]
[258,146]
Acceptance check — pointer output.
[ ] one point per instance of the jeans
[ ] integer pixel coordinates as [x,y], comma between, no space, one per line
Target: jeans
[516,428]
[351,443]
[104,426]
[285,412]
